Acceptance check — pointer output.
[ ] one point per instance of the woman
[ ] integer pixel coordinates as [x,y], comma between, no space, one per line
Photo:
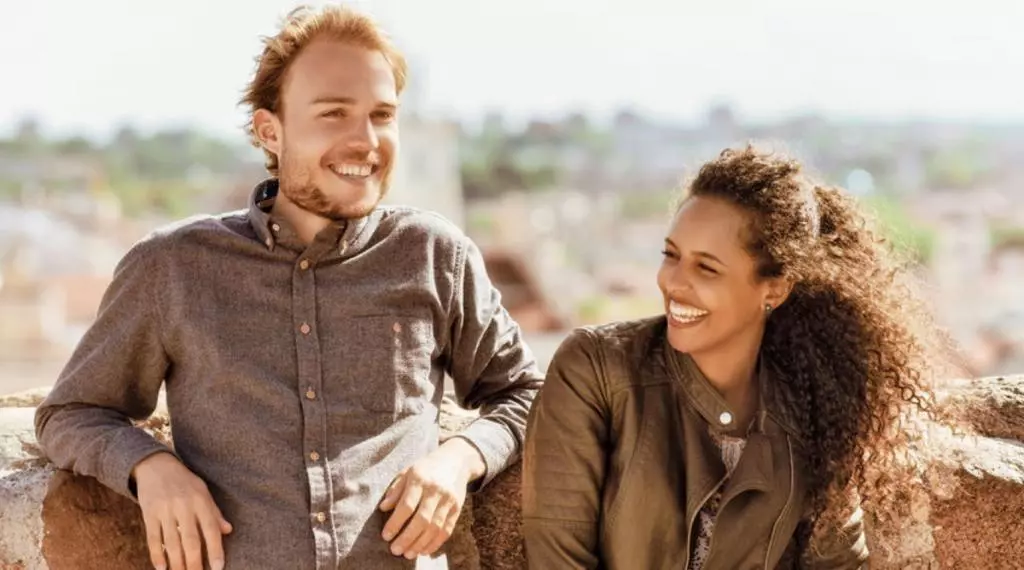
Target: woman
[748,425]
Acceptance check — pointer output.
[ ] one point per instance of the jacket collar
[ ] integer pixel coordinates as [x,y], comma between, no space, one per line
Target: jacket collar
[766,438]
[714,410]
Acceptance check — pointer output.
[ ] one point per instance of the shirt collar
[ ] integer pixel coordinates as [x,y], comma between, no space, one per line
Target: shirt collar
[341,239]
[260,202]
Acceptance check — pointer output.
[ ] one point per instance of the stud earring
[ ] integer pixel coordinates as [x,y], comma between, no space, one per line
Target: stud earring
[767,308]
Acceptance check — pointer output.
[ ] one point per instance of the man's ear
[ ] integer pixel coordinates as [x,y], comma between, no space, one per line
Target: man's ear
[267,128]
[779,289]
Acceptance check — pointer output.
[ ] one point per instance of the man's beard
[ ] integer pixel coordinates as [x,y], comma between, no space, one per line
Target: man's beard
[296,184]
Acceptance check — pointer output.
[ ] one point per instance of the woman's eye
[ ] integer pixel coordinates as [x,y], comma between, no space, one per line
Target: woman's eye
[707,268]
[668,254]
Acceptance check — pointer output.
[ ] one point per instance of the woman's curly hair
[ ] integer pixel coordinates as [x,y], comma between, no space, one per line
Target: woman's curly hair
[854,346]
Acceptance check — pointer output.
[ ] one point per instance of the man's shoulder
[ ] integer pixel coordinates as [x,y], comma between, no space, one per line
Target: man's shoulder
[196,227]
[201,224]
[425,226]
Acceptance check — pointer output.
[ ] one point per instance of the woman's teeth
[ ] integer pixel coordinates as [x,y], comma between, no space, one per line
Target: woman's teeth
[685,313]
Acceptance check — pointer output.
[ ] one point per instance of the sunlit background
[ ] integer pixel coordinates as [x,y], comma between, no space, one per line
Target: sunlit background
[554,131]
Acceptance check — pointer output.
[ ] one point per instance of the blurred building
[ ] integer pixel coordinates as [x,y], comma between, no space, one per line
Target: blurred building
[427,174]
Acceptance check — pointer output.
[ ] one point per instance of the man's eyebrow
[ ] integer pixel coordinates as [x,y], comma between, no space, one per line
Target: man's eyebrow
[334,100]
[340,100]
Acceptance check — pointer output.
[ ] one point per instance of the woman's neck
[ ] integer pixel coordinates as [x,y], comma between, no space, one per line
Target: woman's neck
[732,370]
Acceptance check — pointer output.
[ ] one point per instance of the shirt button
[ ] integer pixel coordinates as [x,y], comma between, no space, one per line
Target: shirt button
[314,456]
[304,264]
[725,418]
[269,242]
[310,394]
[321,517]
[275,227]
[304,328]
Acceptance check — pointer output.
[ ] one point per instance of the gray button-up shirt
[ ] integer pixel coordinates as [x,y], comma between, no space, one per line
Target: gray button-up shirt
[299,379]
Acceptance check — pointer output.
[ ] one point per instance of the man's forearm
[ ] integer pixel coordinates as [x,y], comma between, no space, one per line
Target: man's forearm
[95,442]
[113,376]
[492,367]
[499,432]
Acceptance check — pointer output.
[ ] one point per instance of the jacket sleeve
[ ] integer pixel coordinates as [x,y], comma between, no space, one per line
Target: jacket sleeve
[841,546]
[113,377]
[564,461]
[491,366]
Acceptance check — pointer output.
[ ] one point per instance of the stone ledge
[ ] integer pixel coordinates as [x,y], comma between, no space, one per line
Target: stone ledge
[968,515]
[990,406]
[21,524]
[27,399]
[976,516]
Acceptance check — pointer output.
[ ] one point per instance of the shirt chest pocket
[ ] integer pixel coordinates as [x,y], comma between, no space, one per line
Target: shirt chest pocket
[386,365]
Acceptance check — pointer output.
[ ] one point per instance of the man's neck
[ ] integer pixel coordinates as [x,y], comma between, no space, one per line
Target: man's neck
[304,223]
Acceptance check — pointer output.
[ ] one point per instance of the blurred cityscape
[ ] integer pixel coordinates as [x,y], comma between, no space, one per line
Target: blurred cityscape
[570,213]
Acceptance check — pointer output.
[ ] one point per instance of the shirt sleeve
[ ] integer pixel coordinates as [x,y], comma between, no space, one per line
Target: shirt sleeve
[490,364]
[112,378]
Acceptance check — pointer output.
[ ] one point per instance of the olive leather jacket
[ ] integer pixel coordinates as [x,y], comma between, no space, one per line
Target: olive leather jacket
[619,461]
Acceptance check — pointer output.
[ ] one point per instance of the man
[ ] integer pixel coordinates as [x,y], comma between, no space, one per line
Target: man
[303,343]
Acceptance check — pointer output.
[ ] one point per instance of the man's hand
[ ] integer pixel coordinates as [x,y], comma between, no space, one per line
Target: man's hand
[179,513]
[431,492]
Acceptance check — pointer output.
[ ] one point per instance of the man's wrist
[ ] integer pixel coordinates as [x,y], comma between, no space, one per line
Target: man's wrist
[470,459]
[149,460]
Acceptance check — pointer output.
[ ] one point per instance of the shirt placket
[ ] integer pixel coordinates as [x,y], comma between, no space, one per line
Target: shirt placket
[314,412]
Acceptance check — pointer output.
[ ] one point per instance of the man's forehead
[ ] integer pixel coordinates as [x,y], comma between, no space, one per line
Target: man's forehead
[334,70]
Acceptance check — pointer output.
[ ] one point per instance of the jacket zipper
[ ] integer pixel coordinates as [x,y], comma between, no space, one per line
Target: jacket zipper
[696,513]
[785,508]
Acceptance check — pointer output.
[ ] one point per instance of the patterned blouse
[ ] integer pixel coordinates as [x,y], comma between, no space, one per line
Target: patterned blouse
[732,449]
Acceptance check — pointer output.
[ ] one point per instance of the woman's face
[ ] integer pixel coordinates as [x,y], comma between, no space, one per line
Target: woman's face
[713,296]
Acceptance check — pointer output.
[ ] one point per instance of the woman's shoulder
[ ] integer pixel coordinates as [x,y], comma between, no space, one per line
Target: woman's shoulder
[613,351]
[617,335]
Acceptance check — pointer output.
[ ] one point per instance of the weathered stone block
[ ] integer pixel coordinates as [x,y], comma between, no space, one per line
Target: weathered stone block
[989,406]
[89,526]
[977,516]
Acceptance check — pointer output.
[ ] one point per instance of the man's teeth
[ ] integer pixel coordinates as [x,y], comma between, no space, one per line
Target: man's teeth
[685,312]
[352,169]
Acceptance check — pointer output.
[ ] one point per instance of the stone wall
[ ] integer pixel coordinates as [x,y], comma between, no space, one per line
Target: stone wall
[967,516]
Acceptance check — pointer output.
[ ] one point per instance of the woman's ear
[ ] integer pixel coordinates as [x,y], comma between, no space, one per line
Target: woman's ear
[778,290]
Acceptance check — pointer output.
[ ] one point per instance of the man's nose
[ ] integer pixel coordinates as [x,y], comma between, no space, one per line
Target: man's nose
[363,136]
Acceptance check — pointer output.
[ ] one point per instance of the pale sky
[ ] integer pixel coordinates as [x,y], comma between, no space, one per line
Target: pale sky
[92,64]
